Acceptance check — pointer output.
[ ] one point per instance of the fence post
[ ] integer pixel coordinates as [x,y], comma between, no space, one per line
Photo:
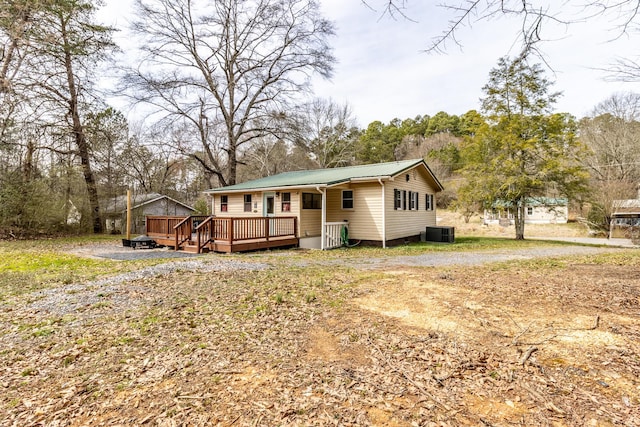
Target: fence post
[230,230]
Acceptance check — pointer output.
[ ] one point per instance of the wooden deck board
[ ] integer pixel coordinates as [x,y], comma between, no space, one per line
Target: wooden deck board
[161,226]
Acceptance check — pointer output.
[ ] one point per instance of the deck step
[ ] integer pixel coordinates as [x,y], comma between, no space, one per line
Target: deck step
[193,248]
[189,248]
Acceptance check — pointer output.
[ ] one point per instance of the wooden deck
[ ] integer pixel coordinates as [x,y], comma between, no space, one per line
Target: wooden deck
[207,233]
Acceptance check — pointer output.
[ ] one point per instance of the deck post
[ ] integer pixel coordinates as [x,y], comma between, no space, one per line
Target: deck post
[266,228]
[230,230]
[175,234]
[323,221]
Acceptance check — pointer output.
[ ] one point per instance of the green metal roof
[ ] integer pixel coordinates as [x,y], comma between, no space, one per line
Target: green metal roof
[533,201]
[326,177]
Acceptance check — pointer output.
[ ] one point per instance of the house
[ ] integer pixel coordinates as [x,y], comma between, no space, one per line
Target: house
[538,210]
[625,219]
[115,211]
[381,204]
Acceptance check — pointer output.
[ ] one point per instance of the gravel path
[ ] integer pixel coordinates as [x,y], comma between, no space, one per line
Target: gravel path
[118,293]
[434,259]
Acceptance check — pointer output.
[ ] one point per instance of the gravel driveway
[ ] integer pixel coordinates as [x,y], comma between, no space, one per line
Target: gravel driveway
[434,259]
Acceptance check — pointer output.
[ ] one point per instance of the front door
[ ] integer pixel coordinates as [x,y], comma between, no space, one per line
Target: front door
[269,205]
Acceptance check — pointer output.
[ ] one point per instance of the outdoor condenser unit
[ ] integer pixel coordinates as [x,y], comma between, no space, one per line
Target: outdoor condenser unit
[440,234]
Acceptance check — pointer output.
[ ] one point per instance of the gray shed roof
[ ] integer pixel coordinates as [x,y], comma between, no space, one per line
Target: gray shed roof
[118,204]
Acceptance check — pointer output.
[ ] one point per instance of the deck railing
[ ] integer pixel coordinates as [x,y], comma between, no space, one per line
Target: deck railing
[162,225]
[238,229]
[203,230]
[333,234]
[185,229]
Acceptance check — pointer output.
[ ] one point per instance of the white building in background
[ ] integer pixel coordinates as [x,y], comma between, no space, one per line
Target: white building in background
[539,210]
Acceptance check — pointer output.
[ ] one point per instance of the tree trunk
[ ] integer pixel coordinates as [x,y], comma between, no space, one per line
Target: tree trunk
[80,137]
[233,163]
[27,167]
[519,218]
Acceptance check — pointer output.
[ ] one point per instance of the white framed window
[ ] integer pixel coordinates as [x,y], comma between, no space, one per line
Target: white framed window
[311,201]
[347,199]
[247,202]
[428,202]
[397,199]
[286,202]
[224,203]
[413,200]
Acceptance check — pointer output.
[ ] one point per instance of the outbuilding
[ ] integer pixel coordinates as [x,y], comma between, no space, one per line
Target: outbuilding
[142,205]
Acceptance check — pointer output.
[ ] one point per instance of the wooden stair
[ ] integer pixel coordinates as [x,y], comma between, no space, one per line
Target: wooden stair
[192,247]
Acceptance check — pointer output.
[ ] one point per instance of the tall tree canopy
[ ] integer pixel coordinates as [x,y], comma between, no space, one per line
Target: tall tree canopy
[228,69]
[523,151]
[611,134]
[48,60]
[327,132]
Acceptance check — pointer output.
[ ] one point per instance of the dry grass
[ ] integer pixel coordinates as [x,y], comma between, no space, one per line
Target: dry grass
[475,227]
[301,343]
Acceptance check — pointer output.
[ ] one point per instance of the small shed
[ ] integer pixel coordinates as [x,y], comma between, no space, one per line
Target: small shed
[115,211]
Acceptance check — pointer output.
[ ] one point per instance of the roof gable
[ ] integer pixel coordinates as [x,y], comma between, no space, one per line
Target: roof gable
[118,204]
[329,177]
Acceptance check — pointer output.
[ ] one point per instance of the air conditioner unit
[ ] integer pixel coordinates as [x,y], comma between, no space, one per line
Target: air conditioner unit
[440,234]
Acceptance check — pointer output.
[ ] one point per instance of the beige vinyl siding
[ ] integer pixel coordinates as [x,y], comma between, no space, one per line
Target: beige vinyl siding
[295,204]
[310,219]
[405,223]
[236,205]
[365,219]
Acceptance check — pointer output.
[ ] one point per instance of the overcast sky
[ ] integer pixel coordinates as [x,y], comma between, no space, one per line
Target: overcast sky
[383,72]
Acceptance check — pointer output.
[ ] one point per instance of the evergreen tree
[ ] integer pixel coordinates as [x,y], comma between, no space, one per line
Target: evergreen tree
[523,151]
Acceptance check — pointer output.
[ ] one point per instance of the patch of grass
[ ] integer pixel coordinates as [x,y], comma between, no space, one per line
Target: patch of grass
[124,340]
[43,332]
[147,324]
[629,258]
[279,298]
[462,244]
[28,372]
[27,266]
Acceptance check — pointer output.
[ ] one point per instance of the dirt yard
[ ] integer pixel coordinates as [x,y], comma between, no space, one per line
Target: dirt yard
[275,339]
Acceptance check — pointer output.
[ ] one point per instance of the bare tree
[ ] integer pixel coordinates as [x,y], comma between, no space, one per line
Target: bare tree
[228,67]
[535,18]
[16,24]
[67,47]
[327,132]
[611,135]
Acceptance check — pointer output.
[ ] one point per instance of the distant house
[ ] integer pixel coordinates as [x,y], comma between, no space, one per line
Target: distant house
[538,210]
[115,211]
[625,218]
[381,204]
